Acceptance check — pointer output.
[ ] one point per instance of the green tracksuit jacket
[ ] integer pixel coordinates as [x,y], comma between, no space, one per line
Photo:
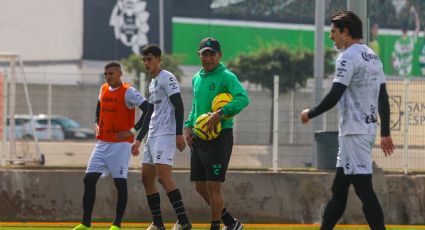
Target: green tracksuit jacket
[207,85]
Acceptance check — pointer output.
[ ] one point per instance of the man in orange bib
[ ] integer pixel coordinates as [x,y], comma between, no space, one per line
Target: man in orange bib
[115,112]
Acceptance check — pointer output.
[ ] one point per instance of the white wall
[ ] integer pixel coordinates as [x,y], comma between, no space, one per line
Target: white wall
[42,30]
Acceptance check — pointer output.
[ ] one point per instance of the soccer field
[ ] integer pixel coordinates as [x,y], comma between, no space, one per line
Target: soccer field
[105,226]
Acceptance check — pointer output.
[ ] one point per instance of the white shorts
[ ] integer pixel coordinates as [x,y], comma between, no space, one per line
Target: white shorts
[160,150]
[355,153]
[110,157]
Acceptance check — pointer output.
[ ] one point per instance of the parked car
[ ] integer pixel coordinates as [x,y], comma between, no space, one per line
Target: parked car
[24,130]
[72,130]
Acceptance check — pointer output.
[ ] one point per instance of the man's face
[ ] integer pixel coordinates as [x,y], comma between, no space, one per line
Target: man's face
[113,76]
[152,64]
[338,36]
[210,59]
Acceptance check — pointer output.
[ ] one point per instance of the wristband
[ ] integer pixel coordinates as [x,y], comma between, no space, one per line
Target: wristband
[221,113]
[133,131]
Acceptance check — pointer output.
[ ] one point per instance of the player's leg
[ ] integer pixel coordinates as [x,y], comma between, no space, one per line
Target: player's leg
[95,168]
[117,163]
[202,189]
[197,172]
[336,205]
[89,196]
[163,157]
[371,207]
[216,159]
[216,203]
[362,181]
[148,180]
[152,195]
[122,194]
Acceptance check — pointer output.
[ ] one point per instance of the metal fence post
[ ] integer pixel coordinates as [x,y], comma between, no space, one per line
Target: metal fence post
[406,93]
[275,123]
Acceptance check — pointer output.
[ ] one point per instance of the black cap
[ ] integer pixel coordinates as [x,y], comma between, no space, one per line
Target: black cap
[209,44]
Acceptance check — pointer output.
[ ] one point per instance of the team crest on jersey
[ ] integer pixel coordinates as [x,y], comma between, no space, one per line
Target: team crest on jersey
[130,21]
[212,86]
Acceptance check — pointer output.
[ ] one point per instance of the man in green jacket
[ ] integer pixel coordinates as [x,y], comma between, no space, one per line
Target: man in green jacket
[209,159]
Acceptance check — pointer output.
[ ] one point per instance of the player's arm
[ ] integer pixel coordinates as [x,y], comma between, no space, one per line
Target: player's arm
[144,121]
[96,118]
[417,22]
[387,144]
[176,100]
[329,101]
[188,124]
[240,97]
[142,125]
[97,114]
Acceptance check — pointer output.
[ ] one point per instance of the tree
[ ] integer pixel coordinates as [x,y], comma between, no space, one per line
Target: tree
[293,67]
[134,64]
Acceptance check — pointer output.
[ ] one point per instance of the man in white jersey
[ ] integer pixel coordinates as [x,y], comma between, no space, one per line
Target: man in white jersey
[402,55]
[165,135]
[359,87]
[114,113]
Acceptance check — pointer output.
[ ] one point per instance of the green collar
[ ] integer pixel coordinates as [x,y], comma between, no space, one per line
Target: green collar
[220,67]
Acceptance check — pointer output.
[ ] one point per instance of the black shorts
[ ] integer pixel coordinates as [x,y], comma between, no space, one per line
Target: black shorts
[209,159]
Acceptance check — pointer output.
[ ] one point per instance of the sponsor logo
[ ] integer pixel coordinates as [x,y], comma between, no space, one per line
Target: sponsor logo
[371,118]
[110,99]
[369,56]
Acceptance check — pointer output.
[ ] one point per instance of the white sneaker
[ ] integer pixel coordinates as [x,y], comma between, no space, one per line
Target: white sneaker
[154,227]
[178,226]
[235,226]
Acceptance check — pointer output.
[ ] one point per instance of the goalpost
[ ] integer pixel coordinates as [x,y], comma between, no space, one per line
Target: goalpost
[9,142]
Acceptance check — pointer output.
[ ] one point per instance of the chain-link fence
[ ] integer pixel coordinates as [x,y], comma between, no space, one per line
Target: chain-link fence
[74,96]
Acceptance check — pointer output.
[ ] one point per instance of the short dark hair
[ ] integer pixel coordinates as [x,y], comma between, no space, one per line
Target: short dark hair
[152,49]
[113,64]
[349,20]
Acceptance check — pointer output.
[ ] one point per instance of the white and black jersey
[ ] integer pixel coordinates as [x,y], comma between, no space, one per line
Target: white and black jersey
[360,69]
[163,121]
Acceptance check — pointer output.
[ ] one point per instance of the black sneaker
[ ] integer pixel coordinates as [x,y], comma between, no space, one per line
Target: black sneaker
[237,225]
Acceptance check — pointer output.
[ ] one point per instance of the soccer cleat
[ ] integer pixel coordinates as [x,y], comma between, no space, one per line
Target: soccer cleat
[114,227]
[81,227]
[178,226]
[154,227]
[237,225]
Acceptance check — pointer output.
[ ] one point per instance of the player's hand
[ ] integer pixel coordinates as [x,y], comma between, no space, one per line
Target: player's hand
[180,143]
[387,145]
[212,122]
[123,135]
[188,133]
[304,116]
[135,148]
[96,129]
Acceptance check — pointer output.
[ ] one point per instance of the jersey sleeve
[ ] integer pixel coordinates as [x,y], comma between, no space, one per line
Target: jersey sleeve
[133,98]
[240,96]
[170,85]
[100,94]
[344,70]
